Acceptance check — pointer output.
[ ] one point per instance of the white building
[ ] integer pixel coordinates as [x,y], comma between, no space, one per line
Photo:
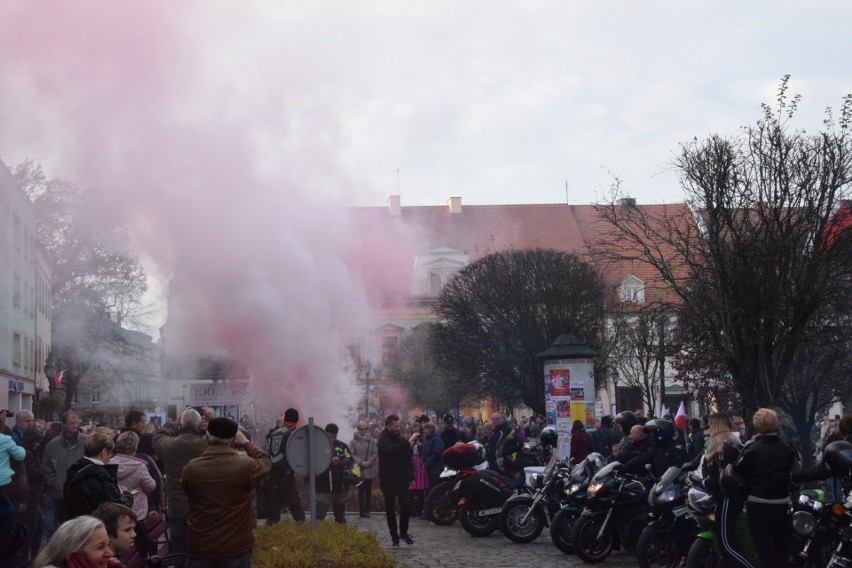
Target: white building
[24,299]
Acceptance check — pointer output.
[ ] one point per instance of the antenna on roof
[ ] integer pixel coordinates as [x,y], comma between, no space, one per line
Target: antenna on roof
[397,181]
[566,192]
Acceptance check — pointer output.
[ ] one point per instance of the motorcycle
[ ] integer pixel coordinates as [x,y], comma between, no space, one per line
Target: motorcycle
[666,540]
[815,527]
[483,495]
[615,514]
[523,517]
[461,461]
[704,550]
[574,501]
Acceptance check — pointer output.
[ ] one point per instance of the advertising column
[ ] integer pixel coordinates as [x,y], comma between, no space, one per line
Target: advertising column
[569,386]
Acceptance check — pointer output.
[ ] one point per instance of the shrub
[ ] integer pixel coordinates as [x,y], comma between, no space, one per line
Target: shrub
[327,545]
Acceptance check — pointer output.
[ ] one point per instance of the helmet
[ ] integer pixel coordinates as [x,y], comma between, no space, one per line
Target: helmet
[838,457]
[660,431]
[700,502]
[627,420]
[549,437]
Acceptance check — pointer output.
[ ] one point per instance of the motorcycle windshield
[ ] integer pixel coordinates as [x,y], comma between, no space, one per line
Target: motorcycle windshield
[606,470]
[667,479]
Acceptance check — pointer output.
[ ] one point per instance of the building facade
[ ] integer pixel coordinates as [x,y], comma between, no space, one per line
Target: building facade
[24,300]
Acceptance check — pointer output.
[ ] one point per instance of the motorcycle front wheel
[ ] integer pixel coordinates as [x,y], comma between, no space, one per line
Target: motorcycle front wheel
[513,525]
[702,555]
[477,526]
[560,530]
[584,539]
[657,548]
[438,506]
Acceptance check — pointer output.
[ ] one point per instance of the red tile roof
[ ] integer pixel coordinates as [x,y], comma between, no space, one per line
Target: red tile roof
[389,244]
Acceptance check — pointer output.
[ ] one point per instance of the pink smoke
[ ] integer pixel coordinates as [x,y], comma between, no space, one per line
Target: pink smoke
[232,193]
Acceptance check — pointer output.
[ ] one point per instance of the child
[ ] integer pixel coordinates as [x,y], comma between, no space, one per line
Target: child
[120,522]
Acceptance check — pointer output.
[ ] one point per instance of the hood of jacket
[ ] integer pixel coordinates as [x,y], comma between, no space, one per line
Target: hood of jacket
[85,468]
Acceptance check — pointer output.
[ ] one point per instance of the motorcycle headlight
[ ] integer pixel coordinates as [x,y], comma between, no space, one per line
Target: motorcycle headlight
[595,487]
[803,523]
[572,488]
[666,496]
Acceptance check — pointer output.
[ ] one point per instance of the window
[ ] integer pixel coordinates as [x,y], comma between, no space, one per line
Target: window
[390,345]
[95,396]
[633,294]
[17,349]
[434,284]
[16,227]
[16,291]
[632,290]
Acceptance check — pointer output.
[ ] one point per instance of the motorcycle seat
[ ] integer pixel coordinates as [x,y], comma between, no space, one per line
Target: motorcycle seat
[512,482]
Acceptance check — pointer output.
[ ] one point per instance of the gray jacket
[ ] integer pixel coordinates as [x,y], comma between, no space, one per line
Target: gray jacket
[58,456]
[175,448]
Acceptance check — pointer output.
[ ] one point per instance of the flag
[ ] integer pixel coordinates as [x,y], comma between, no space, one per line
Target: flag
[680,418]
[57,378]
[664,411]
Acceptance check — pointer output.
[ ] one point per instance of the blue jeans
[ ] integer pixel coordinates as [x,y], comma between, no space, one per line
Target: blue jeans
[239,561]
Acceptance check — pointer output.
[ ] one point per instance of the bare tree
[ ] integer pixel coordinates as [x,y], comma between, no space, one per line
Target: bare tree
[97,284]
[642,339]
[415,368]
[763,252]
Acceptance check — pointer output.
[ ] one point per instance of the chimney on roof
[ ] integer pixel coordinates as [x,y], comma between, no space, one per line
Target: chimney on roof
[394,206]
[454,203]
[627,202]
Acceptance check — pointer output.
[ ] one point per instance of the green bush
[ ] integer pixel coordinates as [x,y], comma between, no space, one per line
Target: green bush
[327,545]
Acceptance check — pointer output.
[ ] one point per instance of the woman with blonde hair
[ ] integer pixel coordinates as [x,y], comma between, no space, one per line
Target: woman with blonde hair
[81,542]
[723,449]
[366,454]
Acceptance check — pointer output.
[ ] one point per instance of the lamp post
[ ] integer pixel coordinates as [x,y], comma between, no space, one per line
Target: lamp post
[366,368]
[49,373]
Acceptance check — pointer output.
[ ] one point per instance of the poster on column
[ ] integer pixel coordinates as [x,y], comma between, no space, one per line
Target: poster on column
[569,395]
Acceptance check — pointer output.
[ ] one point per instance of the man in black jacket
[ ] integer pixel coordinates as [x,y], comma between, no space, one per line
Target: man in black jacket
[503,445]
[91,480]
[395,473]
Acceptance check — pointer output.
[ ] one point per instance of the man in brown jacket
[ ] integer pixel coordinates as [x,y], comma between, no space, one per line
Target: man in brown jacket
[176,445]
[219,485]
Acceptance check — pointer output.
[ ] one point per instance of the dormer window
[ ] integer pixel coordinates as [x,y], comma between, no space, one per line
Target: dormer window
[632,290]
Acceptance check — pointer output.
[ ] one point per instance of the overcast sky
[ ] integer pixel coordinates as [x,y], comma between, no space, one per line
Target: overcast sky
[496,102]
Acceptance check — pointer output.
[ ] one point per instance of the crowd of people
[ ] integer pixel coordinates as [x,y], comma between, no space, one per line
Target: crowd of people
[70,497]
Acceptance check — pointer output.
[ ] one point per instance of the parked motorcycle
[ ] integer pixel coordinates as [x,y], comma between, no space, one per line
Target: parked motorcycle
[816,526]
[574,501]
[615,514]
[483,496]
[523,517]
[704,550]
[461,461]
[666,540]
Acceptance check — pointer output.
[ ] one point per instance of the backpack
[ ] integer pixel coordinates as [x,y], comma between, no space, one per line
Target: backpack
[278,450]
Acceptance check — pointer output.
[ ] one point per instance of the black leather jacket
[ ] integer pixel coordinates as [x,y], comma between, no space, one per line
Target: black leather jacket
[766,463]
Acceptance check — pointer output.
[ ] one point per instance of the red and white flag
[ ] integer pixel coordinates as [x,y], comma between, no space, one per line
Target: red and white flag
[57,378]
[680,417]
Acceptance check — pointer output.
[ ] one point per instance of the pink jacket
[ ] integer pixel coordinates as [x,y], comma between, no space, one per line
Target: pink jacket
[133,475]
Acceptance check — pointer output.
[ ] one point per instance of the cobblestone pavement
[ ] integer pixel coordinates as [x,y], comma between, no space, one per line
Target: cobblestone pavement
[452,547]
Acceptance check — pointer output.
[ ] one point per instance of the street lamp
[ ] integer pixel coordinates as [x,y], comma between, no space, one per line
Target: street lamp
[50,368]
[49,373]
[366,368]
